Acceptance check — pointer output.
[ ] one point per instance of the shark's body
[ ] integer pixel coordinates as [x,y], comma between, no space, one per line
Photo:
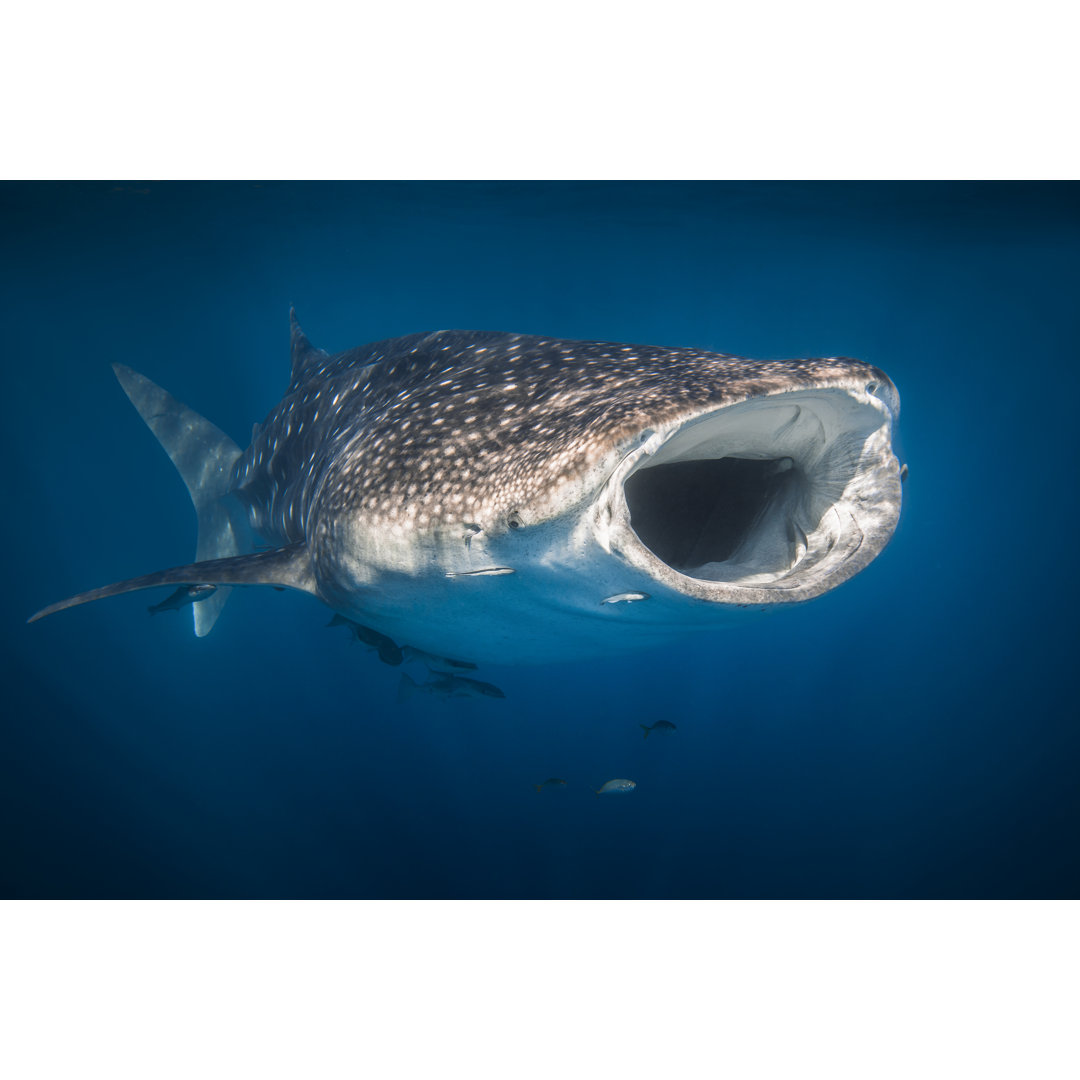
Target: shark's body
[483,494]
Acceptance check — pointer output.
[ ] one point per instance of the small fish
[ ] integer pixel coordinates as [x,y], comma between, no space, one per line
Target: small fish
[551,781]
[488,571]
[625,597]
[442,664]
[617,787]
[185,595]
[903,472]
[388,651]
[447,686]
[661,727]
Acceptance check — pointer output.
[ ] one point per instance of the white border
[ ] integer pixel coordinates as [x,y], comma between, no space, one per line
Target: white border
[582,90]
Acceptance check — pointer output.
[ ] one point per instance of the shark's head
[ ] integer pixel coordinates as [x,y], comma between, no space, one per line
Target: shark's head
[690,480]
[779,496]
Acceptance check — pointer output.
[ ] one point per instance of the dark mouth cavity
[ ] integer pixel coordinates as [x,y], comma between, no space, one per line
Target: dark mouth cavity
[691,513]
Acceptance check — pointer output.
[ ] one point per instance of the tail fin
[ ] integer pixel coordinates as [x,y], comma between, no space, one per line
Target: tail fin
[645,729]
[406,688]
[539,787]
[204,456]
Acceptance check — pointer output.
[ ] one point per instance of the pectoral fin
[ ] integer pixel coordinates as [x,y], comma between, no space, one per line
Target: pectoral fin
[288,567]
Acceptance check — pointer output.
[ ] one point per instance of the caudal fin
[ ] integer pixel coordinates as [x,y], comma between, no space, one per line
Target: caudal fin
[204,456]
[645,729]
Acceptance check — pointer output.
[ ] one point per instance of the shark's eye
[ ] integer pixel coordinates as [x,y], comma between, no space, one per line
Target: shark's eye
[514,520]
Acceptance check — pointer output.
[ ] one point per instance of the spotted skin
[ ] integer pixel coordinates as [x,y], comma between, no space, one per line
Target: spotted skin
[460,427]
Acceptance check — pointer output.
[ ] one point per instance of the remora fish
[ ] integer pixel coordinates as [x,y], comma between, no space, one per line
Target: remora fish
[442,664]
[388,651]
[709,482]
[447,686]
[182,597]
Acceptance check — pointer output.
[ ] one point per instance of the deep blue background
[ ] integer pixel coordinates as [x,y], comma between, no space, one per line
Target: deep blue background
[913,734]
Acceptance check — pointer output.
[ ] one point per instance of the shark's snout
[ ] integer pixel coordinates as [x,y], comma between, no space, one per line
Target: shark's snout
[777,498]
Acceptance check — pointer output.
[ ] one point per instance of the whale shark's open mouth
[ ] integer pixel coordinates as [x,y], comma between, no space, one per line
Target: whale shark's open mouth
[777,498]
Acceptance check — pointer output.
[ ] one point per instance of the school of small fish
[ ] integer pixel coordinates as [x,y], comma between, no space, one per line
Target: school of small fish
[446,682]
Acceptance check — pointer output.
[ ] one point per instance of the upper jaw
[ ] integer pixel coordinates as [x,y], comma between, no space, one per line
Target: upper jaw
[772,499]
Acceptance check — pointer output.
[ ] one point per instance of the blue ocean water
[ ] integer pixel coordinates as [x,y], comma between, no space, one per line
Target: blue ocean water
[911,734]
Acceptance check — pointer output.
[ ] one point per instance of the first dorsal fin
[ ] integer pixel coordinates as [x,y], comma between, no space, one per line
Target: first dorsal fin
[304,354]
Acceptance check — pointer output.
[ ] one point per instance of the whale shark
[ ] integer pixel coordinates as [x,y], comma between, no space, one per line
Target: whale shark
[497,496]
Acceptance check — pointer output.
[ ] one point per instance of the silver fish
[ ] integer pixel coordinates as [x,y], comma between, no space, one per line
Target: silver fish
[617,787]
[488,571]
